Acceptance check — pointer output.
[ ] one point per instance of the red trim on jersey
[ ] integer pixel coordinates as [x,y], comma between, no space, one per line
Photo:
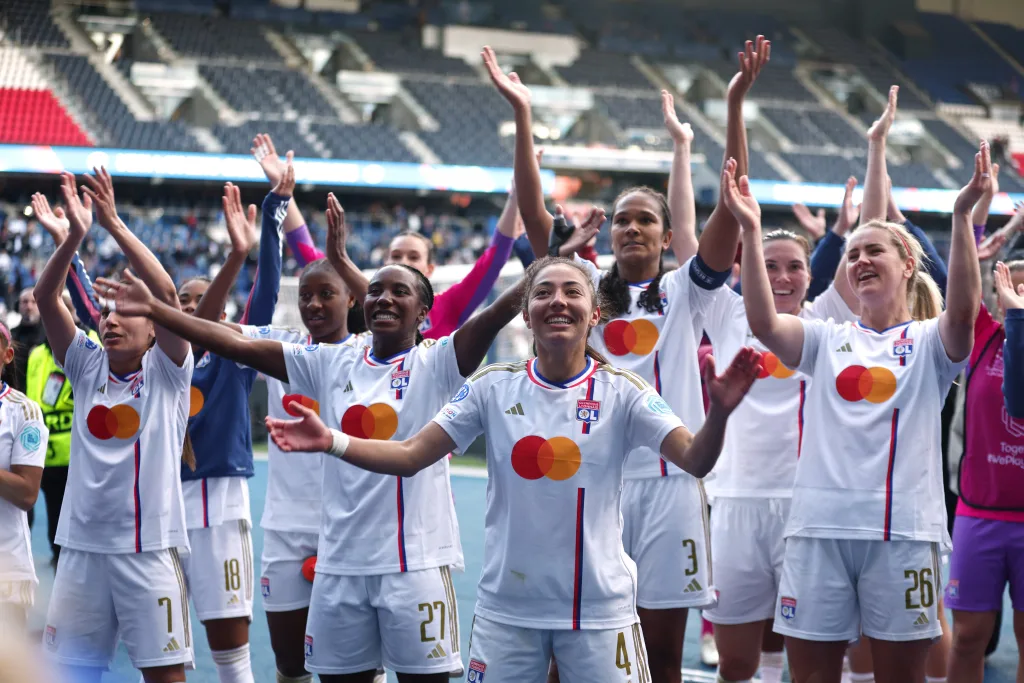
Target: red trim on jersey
[125,379]
[903,335]
[399,393]
[537,379]
[887,529]
[138,499]
[590,397]
[6,390]
[206,507]
[401,528]
[800,418]
[381,362]
[577,582]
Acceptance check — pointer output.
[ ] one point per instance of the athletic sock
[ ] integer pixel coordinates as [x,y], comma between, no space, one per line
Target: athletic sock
[771,667]
[381,677]
[706,627]
[306,678]
[862,678]
[233,666]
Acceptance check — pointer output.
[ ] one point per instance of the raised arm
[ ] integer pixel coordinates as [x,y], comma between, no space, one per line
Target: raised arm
[101,189]
[697,453]
[827,259]
[956,323]
[979,216]
[782,334]
[876,195]
[680,183]
[295,230]
[131,297]
[337,255]
[476,335]
[398,458]
[259,309]
[242,232]
[57,321]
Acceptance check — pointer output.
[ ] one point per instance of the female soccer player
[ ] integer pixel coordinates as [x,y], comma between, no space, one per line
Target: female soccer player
[656,324]
[1013,302]
[867,518]
[23,437]
[379,559]
[556,580]
[753,481]
[123,518]
[453,306]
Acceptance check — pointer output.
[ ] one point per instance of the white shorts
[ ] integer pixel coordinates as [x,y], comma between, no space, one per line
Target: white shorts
[282,585]
[665,531]
[499,653]
[408,623]
[140,597]
[748,545]
[220,571]
[836,589]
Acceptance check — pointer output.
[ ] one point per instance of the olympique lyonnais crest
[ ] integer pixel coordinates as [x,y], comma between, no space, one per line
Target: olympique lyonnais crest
[902,347]
[788,608]
[588,411]
[309,646]
[476,671]
[400,379]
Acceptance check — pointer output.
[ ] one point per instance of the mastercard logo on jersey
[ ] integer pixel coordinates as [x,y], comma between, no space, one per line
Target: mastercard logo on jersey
[771,366]
[117,422]
[858,383]
[623,337]
[196,401]
[557,458]
[288,401]
[377,421]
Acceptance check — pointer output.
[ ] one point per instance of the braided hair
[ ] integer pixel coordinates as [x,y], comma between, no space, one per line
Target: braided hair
[614,290]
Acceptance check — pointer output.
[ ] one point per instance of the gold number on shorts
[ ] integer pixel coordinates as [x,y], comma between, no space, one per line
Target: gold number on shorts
[232,578]
[689,544]
[166,602]
[429,609]
[622,654]
[922,584]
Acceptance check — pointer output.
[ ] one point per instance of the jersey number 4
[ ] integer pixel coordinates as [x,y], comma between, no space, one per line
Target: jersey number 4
[622,654]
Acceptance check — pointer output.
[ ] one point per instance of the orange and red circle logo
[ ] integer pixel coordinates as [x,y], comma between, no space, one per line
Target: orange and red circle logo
[638,337]
[119,422]
[306,401]
[771,366]
[858,383]
[557,458]
[378,421]
[196,401]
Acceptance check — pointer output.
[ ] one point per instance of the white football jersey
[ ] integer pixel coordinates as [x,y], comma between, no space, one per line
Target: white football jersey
[293,479]
[553,553]
[374,523]
[124,481]
[871,461]
[662,349]
[23,438]
[762,439]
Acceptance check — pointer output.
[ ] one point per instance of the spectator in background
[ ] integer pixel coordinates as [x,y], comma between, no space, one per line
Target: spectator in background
[26,336]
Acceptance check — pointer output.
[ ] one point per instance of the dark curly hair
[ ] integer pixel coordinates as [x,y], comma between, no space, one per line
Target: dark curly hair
[613,289]
[424,291]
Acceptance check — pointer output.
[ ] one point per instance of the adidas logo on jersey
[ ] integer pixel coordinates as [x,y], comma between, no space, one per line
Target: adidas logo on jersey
[437,653]
[845,348]
[172,646]
[694,587]
[517,409]
[233,600]
[348,388]
[922,620]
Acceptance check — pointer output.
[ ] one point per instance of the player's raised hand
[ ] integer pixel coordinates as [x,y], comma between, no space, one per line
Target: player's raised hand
[308,434]
[848,211]
[337,230]
[100,188]
[1008,297]
[991,246]
[755,55]
[129,297]
[727,390]
[738,199]
[584,231]
[53,220]
[879,130]
[285,187]
[511,88]
[813,223]
[266,156]
[79,212]
[241,223]
[980,183]
[682,133]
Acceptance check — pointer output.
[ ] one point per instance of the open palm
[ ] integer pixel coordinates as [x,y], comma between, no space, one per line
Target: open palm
[738,199]
[755,55]
[511,88]
[337,230]
[682,133]
[725,391]
[130,296]
[1008,297]
[308,434]
[879,130]
[53,221]
[241,224]
[980,183]
[266,156]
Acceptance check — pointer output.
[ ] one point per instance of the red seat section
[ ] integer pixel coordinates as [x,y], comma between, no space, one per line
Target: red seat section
[35,117]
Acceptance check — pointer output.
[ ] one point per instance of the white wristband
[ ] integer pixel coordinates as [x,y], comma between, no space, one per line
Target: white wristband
[339,444]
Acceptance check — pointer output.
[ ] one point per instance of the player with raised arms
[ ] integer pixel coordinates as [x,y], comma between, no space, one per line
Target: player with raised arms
[387,544]
[654,323]
[867,520]
[557,582]
[23,439]
[122,523]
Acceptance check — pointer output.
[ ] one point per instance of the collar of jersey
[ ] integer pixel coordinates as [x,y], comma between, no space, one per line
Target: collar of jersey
[642,285]
[862,326]
[124,379]
[309,340]
[378,362]
[537,378]
[4,390]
